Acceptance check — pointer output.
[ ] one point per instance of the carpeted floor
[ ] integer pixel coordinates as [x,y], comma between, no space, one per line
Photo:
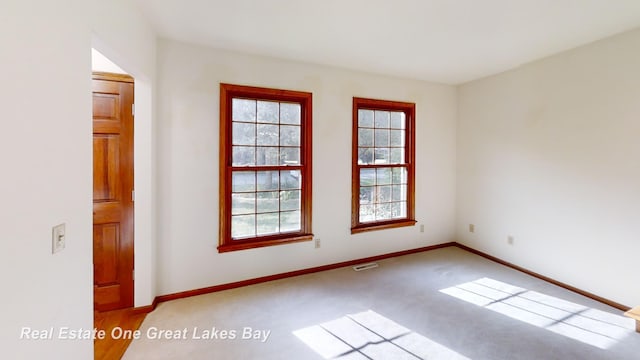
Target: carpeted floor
[442,304]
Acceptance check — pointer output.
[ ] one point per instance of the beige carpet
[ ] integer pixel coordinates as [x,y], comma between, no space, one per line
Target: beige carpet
[442,304]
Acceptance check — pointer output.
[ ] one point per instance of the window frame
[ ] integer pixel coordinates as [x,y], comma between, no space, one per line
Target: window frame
[227,93]
[385,105]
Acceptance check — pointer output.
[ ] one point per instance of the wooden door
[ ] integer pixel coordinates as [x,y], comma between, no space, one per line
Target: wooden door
[112,191]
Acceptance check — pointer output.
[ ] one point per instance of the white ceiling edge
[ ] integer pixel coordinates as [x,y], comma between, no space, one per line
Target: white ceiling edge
[440,41]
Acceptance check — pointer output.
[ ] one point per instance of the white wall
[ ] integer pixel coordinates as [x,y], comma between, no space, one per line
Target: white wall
[549,154]
[188,114]
[45,154]
[46,162]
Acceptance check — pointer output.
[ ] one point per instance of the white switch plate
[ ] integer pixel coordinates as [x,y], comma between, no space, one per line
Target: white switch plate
[317,243]
[58,238]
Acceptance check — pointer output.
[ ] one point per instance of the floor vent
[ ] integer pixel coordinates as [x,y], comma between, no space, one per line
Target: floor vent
[366,266]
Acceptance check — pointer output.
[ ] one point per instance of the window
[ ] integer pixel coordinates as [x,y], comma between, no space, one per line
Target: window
[265,167]
[383,165]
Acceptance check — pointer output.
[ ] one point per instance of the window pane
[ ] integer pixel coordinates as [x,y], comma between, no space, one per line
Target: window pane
[399,175]
[267,202]
[384,194]
[367,195]
[383,176]
[244,134]
[398,210]
[243,181]
[382,137]
[243,203]
[267,156]
[268,111]
[367,177]
[365,156]
[289,156]
[367,213]
[290,180]
[289,135]
[365,118]
[290,113]
[397,120]
[290,221]
[399,192]
[383,211]
[290,200]
[268,180]
[268,223]
[397,138]
[381,156]
[243,110]
[243,226]
[382,119]
[365,137]
[244,155]
[268,135]
[396,156]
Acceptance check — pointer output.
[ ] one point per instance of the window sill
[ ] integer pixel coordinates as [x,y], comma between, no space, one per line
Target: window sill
[382,225]
[235,245]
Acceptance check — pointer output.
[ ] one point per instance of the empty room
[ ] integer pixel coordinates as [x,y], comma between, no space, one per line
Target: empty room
[340,179]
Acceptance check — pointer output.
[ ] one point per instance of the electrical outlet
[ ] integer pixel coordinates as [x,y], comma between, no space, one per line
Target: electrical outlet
[58,238]
[510,240]
[422,228]
[472,228]
[317,242]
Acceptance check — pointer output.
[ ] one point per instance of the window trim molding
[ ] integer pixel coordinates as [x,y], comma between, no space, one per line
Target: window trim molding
[373,104]
[227,93]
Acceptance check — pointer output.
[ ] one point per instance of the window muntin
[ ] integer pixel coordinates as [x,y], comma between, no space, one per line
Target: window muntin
[266,167]
[383,164]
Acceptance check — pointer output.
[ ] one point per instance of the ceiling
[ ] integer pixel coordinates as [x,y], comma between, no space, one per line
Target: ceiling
[446,41]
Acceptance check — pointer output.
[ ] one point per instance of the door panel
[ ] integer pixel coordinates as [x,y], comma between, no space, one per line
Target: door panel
[112,188]
[106,244]
[106,174]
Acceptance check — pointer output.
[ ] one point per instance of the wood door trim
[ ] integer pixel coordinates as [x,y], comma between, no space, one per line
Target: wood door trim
[99,75]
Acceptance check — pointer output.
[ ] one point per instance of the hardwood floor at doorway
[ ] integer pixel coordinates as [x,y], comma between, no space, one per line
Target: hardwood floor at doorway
[126,319]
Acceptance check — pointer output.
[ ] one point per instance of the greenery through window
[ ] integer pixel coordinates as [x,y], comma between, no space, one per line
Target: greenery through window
[265,167]
[383,164]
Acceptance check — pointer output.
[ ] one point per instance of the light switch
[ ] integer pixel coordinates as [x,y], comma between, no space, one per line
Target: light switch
[58,238]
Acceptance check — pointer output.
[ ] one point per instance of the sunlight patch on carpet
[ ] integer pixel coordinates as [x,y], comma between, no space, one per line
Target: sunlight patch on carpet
[590,326]
[369,335]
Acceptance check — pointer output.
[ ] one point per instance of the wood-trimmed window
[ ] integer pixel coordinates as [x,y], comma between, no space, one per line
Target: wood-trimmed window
[383,186]
[265,167]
